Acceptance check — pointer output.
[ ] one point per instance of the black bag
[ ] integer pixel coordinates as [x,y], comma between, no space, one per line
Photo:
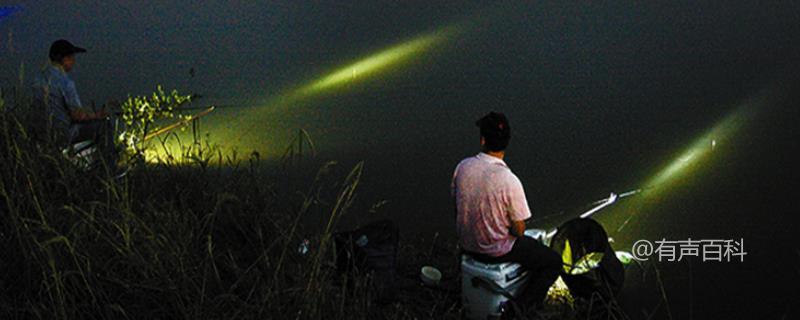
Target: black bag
[586,236]
[370,251]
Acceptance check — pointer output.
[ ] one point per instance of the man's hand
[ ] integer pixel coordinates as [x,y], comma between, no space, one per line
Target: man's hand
[101,114]
[78,115]
[518,228]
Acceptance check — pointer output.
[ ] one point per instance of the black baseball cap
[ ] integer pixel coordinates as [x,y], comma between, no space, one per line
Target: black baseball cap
[62,48]
[495,129]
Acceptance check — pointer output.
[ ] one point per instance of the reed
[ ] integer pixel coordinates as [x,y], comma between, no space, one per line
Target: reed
[212,238]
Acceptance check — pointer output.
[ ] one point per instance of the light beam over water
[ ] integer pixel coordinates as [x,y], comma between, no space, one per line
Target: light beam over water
[375,63]
[262,126]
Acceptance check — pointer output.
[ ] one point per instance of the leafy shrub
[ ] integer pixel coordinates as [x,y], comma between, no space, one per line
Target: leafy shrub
[141,113]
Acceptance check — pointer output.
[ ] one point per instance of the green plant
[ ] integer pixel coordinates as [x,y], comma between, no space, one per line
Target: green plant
[294,151]
[141,113]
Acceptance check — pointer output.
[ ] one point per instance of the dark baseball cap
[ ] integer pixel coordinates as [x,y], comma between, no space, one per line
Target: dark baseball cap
[62,48]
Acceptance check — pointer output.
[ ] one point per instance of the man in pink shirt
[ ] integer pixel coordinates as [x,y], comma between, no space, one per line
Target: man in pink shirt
[491,210]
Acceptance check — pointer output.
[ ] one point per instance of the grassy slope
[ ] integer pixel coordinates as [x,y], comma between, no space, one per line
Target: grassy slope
[166,241]
[187,242]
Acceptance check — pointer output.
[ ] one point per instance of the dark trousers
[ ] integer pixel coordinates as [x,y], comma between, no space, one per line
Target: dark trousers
[543,264]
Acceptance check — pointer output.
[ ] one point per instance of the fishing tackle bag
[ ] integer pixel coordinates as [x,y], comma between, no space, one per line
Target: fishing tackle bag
[370,251]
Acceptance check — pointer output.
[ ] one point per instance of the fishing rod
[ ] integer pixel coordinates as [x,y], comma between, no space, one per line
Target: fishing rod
[620,196]
[598,205]
[223,106]
[182,122]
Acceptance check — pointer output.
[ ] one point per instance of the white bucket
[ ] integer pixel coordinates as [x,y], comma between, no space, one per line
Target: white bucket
[482,303]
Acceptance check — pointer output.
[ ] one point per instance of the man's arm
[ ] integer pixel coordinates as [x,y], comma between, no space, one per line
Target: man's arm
[453,191]
[78,115]
[518,210]
[73,102]
[518,228]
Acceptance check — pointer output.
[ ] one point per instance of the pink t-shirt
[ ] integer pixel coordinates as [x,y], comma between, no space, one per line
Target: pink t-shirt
[488,196]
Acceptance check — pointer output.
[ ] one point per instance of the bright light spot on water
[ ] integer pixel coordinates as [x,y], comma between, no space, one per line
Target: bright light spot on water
[169,156]
[691,159]
[698,157]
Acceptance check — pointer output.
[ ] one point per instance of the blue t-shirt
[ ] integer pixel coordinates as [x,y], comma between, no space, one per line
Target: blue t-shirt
[54,90]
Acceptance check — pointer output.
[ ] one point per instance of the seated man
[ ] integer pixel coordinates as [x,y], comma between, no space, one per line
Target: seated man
[491,210]
[55,92]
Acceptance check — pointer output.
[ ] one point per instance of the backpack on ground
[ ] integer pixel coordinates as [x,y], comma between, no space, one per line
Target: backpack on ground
[370,251]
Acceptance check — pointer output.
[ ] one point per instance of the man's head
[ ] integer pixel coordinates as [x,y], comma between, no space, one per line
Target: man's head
[63,53]
[495,131]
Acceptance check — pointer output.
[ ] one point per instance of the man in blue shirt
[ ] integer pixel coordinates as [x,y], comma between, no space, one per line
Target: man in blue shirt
[54,91]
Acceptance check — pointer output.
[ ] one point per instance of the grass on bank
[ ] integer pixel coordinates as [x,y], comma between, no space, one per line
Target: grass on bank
[198,241]
[164,242]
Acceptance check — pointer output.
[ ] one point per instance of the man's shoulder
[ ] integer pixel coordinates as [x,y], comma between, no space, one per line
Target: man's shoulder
[504,176]
[465,162]
[512,178]
[52,76]
[474,164]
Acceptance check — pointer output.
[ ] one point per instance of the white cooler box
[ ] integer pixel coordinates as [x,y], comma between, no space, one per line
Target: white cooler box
[480,302]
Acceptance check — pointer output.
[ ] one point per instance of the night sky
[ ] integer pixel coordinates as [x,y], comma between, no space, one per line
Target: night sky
[600,98]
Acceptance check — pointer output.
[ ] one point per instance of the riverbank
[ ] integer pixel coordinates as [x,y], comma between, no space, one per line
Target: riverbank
[196,240]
